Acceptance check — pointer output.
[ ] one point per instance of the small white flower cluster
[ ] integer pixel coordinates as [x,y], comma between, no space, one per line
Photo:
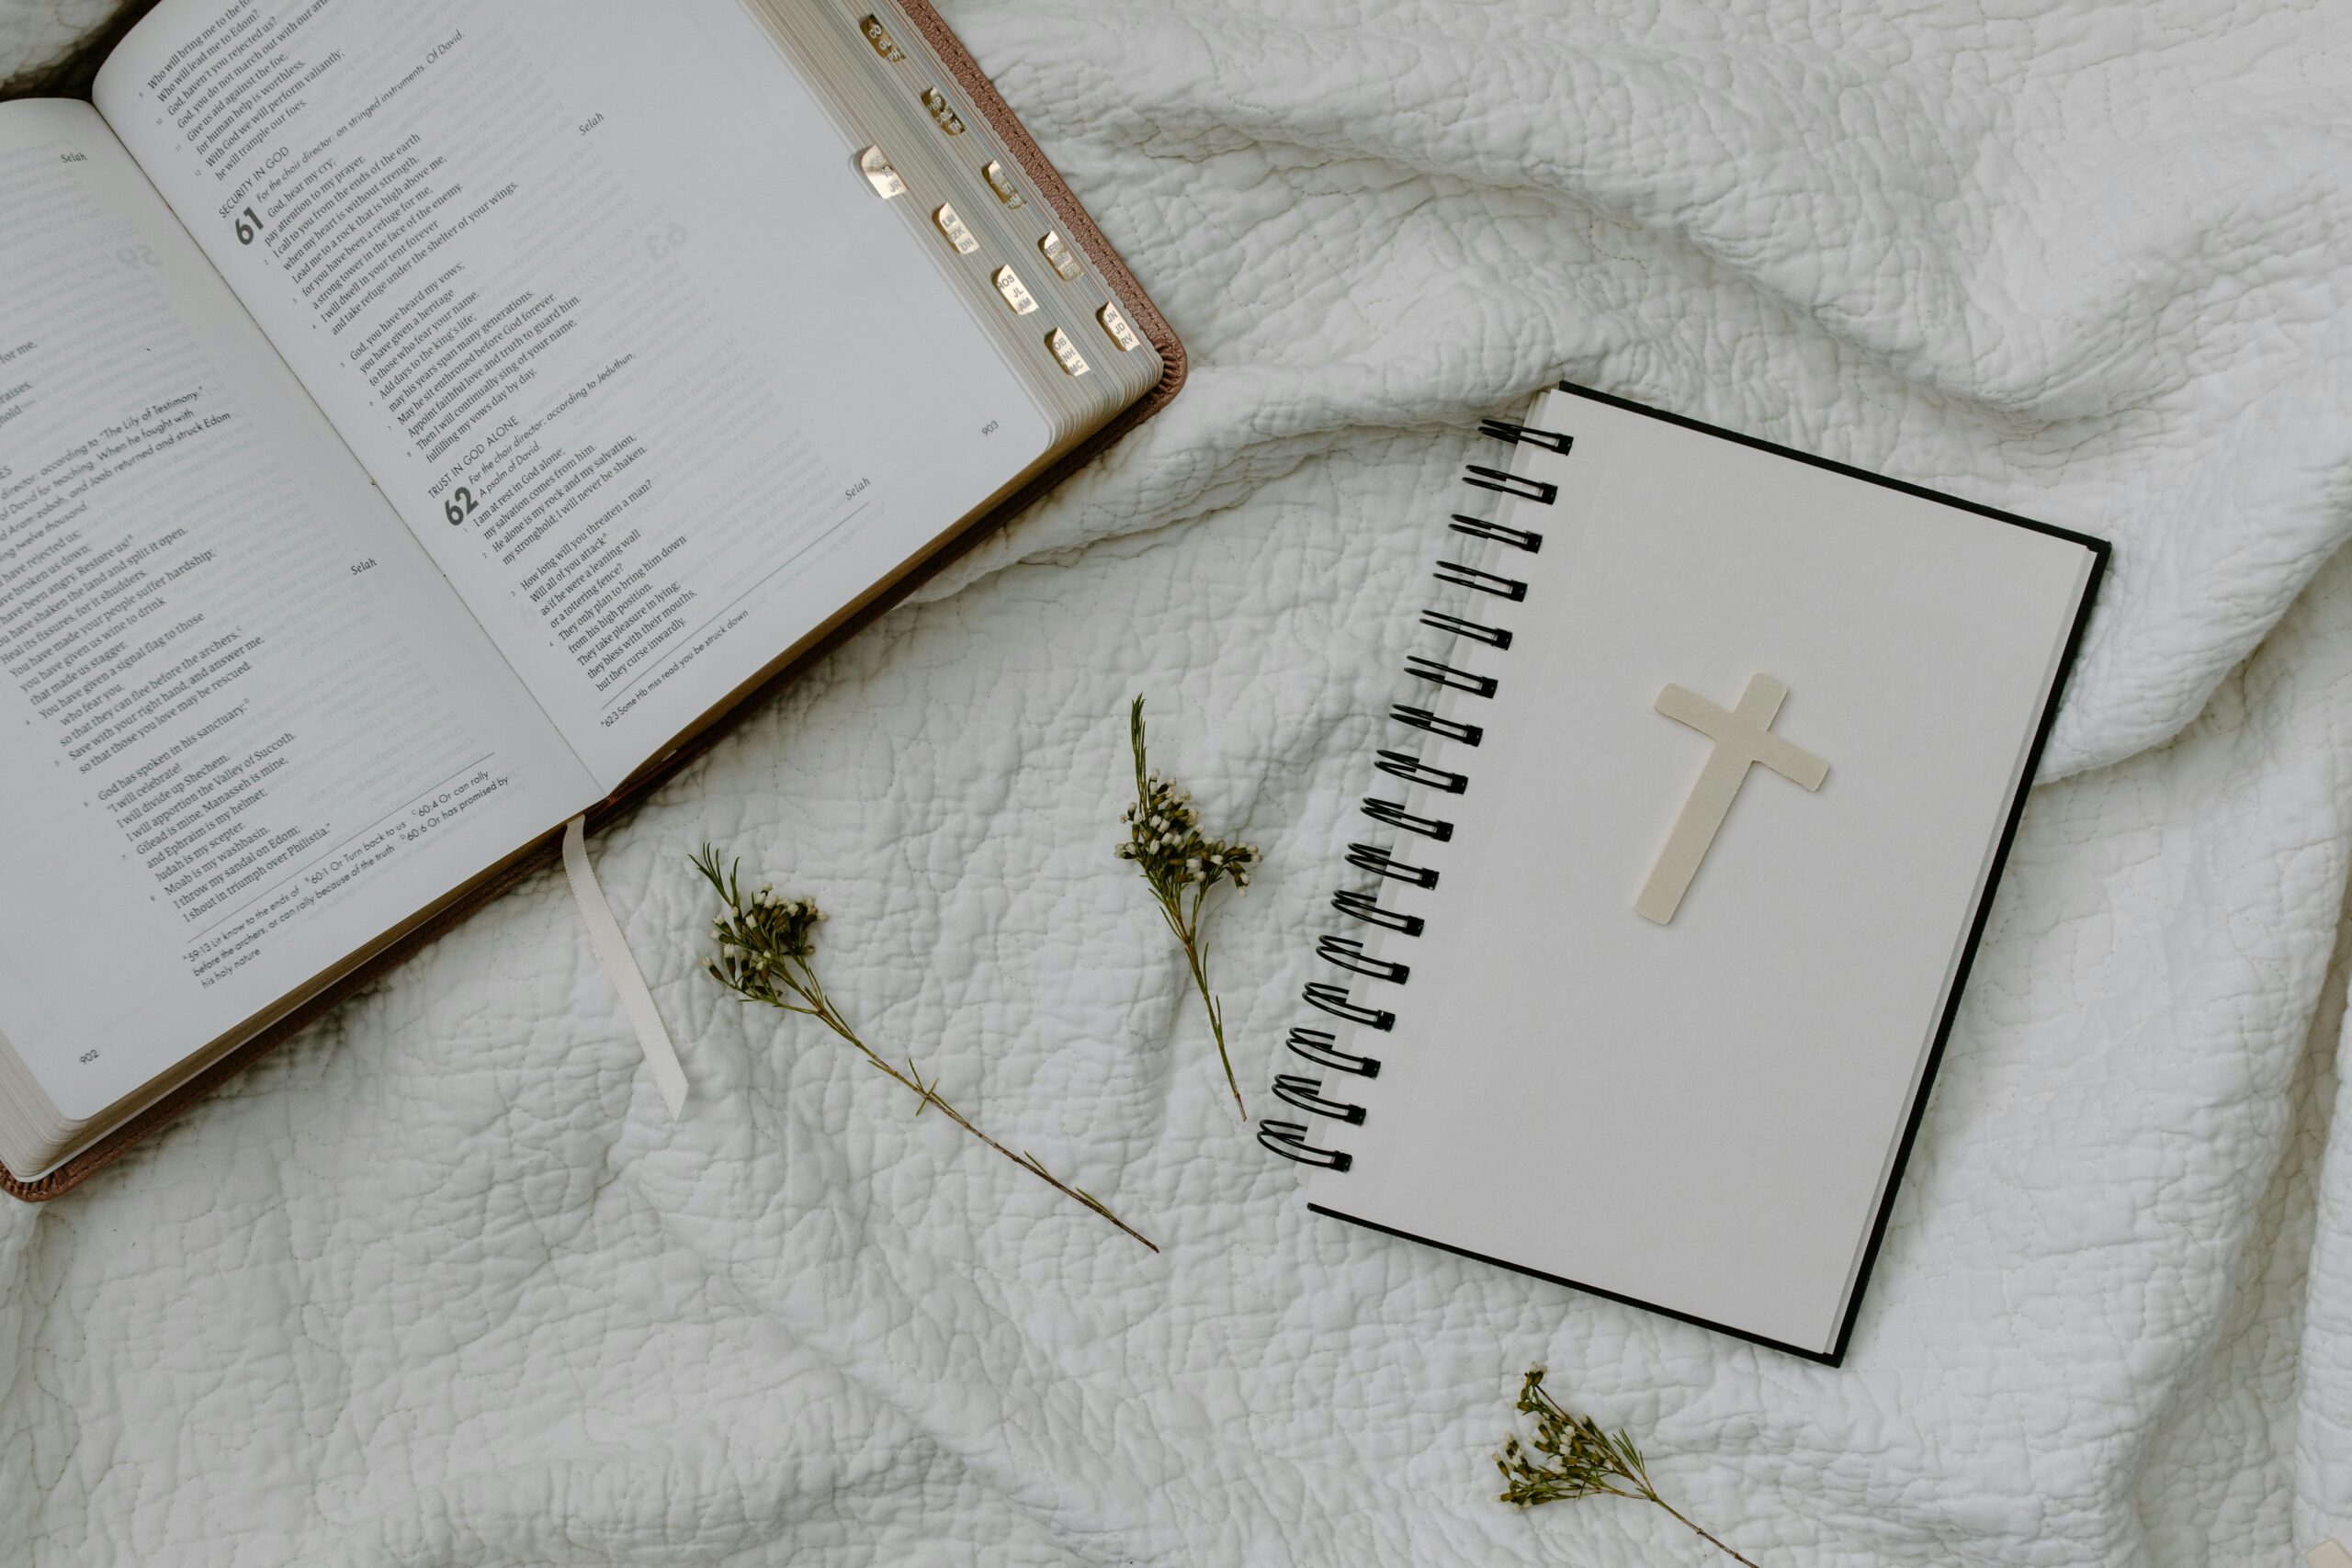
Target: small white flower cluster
[1164,840]
[761,932]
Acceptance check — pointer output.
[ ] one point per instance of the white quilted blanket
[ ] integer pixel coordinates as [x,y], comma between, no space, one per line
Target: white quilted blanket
[441,1285]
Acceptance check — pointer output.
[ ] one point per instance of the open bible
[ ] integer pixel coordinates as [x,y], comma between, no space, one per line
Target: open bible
[421,425]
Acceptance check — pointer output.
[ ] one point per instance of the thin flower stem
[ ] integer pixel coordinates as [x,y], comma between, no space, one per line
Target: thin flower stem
[930,1096]
[765,948]
[1702,1534]
[1195,956]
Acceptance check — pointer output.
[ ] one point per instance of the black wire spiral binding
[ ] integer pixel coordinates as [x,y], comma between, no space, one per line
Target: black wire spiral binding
[1346,953]
[1393,814]
[1479,528]
[1412,769]
[1513,435]
[1308,1095]
[1319,1047]
[1493,637]
[1380,863]
[1334,1000]
[1454,574]
[1506,483]
[1365,907]
[1288,1139]
[1430,669]
[1450,729]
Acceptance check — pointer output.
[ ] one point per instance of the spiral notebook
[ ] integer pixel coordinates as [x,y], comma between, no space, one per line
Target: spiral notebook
[1686,833]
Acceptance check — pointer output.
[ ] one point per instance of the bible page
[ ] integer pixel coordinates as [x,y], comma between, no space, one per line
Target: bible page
[596,292]
[245,726]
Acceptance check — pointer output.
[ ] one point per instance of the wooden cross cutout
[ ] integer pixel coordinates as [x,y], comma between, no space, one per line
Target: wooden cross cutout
[1743,738]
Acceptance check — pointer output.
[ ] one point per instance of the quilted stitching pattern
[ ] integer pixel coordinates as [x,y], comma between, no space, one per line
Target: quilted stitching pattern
[440,1285]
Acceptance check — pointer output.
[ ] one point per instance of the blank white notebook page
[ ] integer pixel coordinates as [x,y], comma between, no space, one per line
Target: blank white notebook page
[1701,1115]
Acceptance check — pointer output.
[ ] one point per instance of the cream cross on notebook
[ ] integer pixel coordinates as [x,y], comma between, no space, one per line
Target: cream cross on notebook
[1743,738]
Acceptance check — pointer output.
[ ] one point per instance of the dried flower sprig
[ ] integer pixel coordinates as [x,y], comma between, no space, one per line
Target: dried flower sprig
[1165,842]
[767,947]
[1579,1460]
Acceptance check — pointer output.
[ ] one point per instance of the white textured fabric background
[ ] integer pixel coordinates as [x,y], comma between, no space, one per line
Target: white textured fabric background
[440,1285]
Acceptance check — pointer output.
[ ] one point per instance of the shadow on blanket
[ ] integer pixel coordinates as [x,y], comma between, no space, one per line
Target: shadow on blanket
[72,74]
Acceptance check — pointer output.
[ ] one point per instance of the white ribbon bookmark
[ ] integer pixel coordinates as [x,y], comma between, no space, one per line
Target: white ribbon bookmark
[621,968]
